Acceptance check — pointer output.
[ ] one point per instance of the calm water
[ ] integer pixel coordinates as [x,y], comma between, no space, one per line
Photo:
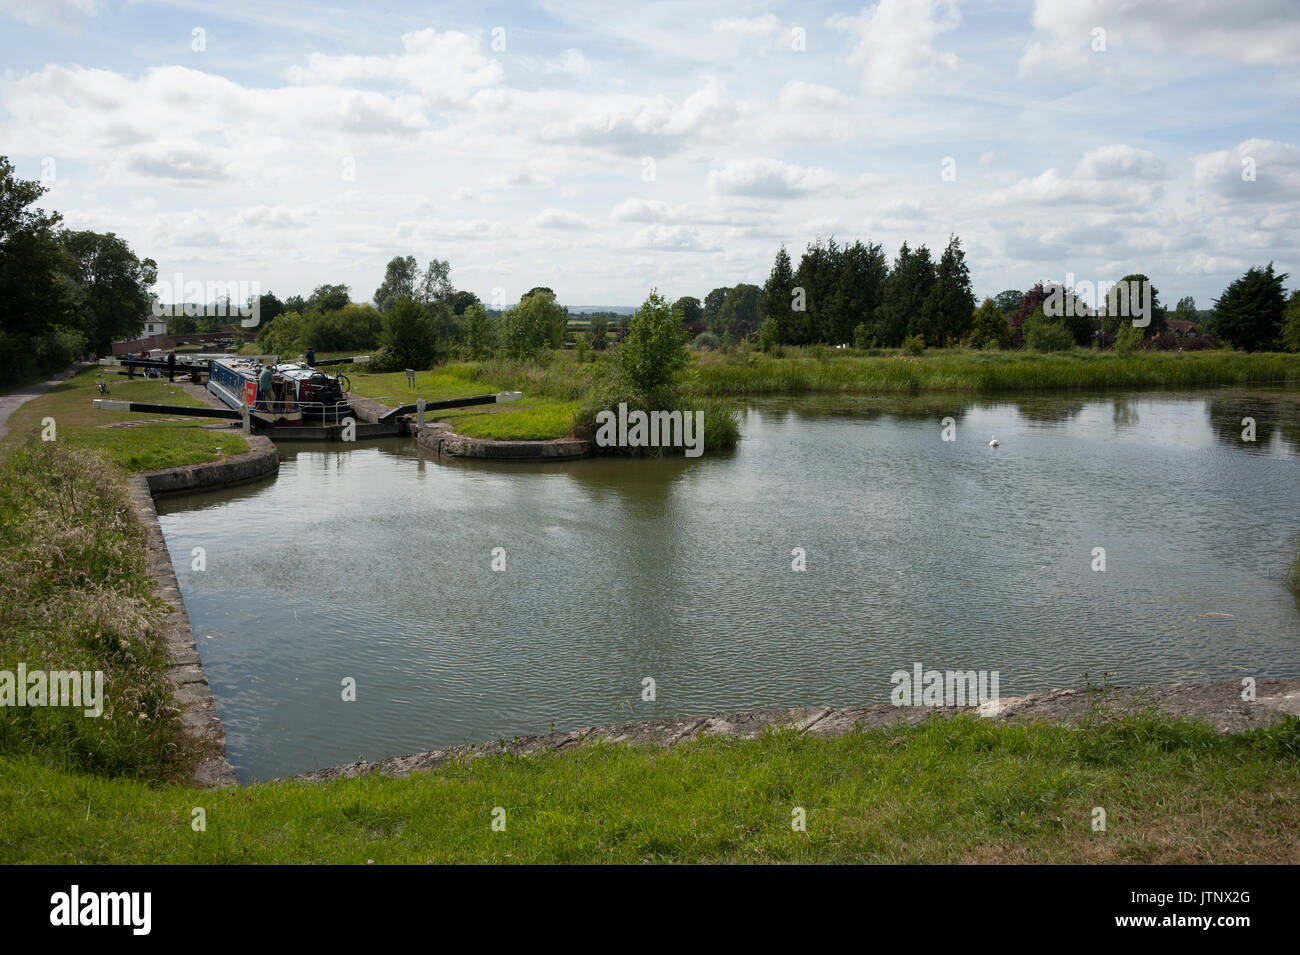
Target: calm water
[375,563]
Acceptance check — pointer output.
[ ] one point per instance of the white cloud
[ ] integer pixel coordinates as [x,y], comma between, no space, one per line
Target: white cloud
[804,96]
[444,67]
[1120,162]
[766,178]
[896,39]
[1274,166]
[1248,31]
[570,61]
[560,219]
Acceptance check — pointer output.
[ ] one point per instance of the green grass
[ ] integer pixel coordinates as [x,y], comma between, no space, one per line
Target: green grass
[961,790]
[536,417]
[814,369]
[75,594]
[148,443]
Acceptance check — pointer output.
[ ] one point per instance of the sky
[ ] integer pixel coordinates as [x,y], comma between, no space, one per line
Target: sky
[606,149]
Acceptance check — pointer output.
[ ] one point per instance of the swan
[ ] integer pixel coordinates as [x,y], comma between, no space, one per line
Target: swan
[993,443]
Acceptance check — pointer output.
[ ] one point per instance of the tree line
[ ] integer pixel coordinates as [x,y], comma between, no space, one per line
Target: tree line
[842,294]
[63,292]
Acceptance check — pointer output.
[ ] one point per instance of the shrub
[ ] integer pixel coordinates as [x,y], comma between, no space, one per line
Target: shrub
[706,341]
[1043,334]
[655,347]
[914,344]
[1127,338]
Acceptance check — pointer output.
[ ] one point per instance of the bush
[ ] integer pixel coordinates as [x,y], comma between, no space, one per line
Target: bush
[706,341]
[1043,334]
[914,344]
[1127,338]
[767,334]
[655,347]
[862,337]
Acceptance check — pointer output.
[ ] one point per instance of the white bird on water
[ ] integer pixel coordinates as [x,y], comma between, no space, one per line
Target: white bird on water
[993,443]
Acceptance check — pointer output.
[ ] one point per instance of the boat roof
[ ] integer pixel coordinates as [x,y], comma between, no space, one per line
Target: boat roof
[244,366]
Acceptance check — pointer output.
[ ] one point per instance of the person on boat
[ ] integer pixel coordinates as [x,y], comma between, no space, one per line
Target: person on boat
[311,356]
[264,383]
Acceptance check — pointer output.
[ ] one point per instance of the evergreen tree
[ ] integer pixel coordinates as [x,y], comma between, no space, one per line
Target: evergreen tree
[776,303]
[818,275]
[950,305]
[859,291]
[905,293]
[1249,313]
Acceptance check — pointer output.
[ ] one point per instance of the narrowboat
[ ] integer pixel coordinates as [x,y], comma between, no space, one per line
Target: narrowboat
[234,381]
[320,396]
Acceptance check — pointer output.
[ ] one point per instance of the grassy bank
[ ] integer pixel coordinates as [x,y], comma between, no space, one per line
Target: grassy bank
[75,595]
[816,369]
[136,442]
[961,790]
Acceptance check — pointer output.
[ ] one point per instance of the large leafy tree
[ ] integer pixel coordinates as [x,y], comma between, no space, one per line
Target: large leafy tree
[409,337]
[692,310]
[1008,301]
[34,292]
[329,298]
[530,325]
[400,276]
[712,306]
[1112,318]
[114,286]
[739,313]
[1249,313]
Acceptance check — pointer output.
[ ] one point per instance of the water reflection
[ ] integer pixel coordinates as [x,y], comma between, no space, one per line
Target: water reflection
[375,562]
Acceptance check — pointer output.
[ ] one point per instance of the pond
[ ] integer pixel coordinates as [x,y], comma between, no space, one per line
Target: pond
[374,563]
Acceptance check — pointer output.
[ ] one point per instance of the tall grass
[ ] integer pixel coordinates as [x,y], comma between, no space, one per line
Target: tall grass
[799,370]
[75,595]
